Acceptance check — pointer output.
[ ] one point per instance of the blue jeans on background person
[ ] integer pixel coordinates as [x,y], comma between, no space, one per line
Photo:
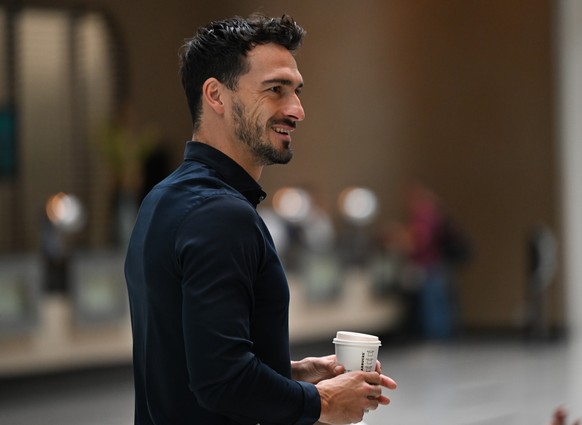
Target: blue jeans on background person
[436,307]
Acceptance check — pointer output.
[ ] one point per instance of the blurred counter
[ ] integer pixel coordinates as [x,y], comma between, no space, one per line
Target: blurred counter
[57,344]
[90,327]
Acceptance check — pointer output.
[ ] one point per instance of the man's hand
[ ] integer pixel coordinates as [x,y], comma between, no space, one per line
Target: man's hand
[345,398]
[315,369]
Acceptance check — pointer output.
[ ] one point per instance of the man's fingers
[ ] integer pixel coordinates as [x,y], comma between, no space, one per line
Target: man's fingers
[388,382]
[373,404]
[380,398]
[374,392]
[383,400]
[377,379]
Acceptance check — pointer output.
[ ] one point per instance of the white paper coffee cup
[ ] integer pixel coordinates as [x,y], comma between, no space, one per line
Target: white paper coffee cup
[357,351]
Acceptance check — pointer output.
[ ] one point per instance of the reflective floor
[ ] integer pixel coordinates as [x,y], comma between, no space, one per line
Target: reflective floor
[499,383]
[462,383]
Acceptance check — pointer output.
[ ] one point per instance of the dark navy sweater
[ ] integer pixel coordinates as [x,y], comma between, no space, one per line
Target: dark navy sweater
[209,304]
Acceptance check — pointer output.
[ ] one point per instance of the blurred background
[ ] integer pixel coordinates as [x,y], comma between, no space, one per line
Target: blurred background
[433,196]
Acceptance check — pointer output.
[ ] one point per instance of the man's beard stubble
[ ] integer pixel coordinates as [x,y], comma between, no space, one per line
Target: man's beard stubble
[253,134]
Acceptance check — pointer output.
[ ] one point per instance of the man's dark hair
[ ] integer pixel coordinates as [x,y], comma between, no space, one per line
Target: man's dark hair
[219,50]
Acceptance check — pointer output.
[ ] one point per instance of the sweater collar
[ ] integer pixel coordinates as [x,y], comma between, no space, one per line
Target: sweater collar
[227,169]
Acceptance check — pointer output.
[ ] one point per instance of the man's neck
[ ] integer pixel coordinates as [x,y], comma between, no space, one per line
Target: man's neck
[240,154]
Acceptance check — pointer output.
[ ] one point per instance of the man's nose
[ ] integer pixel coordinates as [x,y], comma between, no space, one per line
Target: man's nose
[295,109]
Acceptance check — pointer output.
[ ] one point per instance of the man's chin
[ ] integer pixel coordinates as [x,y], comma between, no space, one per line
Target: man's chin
[278,160]
[284,159]
[271,157]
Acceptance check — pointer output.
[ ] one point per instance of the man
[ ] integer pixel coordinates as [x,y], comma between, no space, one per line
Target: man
[209,298]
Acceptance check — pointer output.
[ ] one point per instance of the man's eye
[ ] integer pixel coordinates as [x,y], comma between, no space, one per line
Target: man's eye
[276,89]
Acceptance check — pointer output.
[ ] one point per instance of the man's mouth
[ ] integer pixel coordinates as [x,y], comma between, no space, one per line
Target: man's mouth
[282,131]
[284,127]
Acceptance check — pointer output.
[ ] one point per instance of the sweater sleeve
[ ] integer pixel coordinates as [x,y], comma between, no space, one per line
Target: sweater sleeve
[221,249]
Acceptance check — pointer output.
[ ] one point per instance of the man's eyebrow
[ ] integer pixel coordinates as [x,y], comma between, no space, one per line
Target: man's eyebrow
[282,81]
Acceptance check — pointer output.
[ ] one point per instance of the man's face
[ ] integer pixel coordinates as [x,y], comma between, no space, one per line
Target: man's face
[266,106]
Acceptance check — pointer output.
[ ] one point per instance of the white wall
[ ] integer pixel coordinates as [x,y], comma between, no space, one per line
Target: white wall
[570,122]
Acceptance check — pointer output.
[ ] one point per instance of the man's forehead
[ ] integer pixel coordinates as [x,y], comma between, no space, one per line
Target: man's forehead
[272,62]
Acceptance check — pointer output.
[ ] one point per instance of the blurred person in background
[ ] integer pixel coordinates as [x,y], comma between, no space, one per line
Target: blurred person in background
[438,247]
[209,297]
[560,417]
[395,275]
[541,269]
[56,254]
[156,166]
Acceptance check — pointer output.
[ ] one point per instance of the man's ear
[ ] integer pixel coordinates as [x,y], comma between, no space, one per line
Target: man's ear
[212,95]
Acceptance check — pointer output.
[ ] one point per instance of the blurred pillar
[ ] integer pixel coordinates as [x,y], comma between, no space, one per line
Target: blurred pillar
[570,132]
